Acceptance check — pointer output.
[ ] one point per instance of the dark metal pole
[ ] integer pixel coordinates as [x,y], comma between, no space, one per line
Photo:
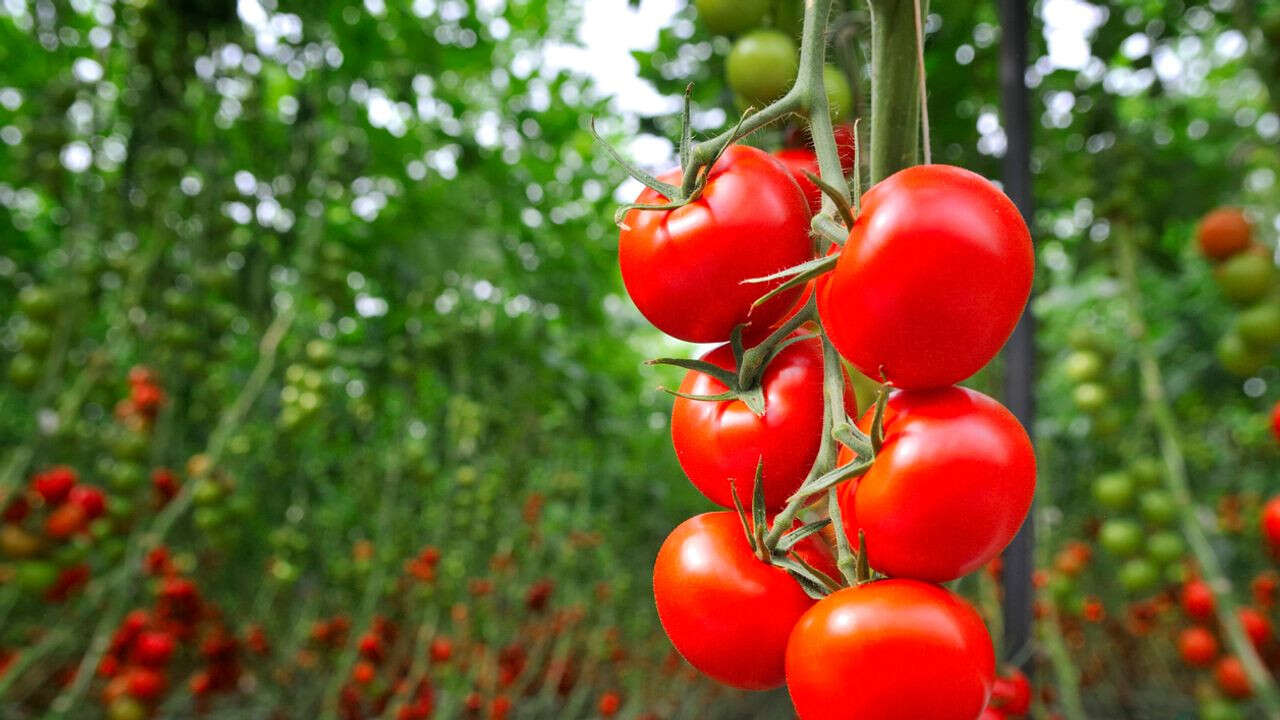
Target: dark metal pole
[1019,377]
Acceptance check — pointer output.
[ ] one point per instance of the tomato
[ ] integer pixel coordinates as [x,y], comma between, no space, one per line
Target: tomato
[1237,357]
[54,484]
[609,704]
[1113,490]
[1138,575]
[1164,547]
[37,302]
[1271,521]
[66,520]
[762,66]
[846,142]
[1256,626]
[730,17]
[1197,646]
[890,650]
[1012,693]
[1219,709]
[992,714]
[798,161]
[152,647]
[89,498]
[126,708]
[16,542]
[1197,600]
[1082,366]
[944,450]
[1157,507]
[719,441]
[1231,678]
[727,612]
[684,268]
[932,280]
[1259,326]
[1275,431]
[1090,396]
[1121,537]
[1223,232]
[1247,276]
[24,371]
[145,684]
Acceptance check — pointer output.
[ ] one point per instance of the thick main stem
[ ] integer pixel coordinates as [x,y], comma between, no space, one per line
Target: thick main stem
[895,103]
[1175,477]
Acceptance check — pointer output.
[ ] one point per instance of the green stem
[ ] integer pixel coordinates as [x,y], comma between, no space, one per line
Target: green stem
[1066,675]
[895,102]
[1175,476]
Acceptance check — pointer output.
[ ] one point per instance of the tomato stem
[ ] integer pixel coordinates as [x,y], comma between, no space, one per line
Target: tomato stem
[895,101]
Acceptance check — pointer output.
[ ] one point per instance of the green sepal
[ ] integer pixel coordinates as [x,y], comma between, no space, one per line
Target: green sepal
[742,517]
[789,540]
[821,266]
[758,515]
[814,485]
[864,565]
[726,377]
[877,420]
[667,190]
[846,212]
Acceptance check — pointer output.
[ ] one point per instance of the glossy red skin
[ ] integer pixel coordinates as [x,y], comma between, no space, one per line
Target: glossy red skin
[1256,626]
[1012,693]
[846,143]
[950,486]
[799,161]
[89,498]
[932,280]
[1231,678]
[1271,521]
[1197,600]
[1197,646]
[890,650]
[722,440]
[684,268]
[725,611]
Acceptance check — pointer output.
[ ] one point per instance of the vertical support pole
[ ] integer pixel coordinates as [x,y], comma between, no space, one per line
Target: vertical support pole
[1019,379]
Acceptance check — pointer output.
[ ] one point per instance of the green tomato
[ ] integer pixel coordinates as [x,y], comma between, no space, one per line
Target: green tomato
[730,17]
[1082,366]
[130,445]
[1114,490]
[1238,358]
[1138,575]
[839,94]
[1165,547]
[1245,277]
[1090,396]
[24,371]
[1157,507]
[126,476]
[1146,471]
[205,492]
[1084,337]
[1259,325]
[1121,537]
[35,337]
[37,302]
[1219,709]
[762,66]
[1175,574]
[208,518]
[126,707]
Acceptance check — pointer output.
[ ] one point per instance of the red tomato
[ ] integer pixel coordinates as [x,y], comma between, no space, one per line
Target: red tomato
[992,714]
[1271,521]
[728,613]
[684,268]
[1275,421]
[1223,232]
[890,650]
[89,498]
[1231,677]
[66,520]
[932,280]
[152,647]
[950,486]
[145,683]
[1197,600]
[1012,693]
[1256,626]
[798,161]
[54,484]
[720,441]
[1197,646]
[846,142]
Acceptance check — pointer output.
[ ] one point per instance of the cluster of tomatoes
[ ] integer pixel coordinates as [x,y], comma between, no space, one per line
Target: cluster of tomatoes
[47,532]
[38,306]
[1137,531]
[752,602]
[1245,273]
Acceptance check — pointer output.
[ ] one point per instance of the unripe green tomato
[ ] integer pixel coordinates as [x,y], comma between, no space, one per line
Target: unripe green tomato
[1220,709]
[100,528]
[1238,358]
[290,416]
[208,518]
[24,371]
[119,508]
[126,476]
[1090,396]
[37,302]
[1061,588]
[180,335]
[1176,574]
[320,351]
[1138,575]
[1157,507]
[730,17]
[1083,337]
[34,337]
[178,302]
[35,576]
[762,66]
[205,492]
[839,94]
[70,552]
[126,707]
[1121,537]
[1082,366]
[1259,325]
[1165,547]
[1146,471]
[130,445]
[1113,490]
[1245,277]
[284,571]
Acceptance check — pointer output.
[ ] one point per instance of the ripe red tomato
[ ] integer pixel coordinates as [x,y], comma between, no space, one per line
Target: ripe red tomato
[1197,600]
[66,520]
[1231,678]
[728,613]
[719,441]
[145,684]
[1275,421]
[1271,521]
[949,489]
[1223,233]
[1012,693]
[54,484]
[992,714]
[89,498]
[1197,646]
[799,161]
[1256,626]
[152,647]
[684,268]
[932,280]
[913,650]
